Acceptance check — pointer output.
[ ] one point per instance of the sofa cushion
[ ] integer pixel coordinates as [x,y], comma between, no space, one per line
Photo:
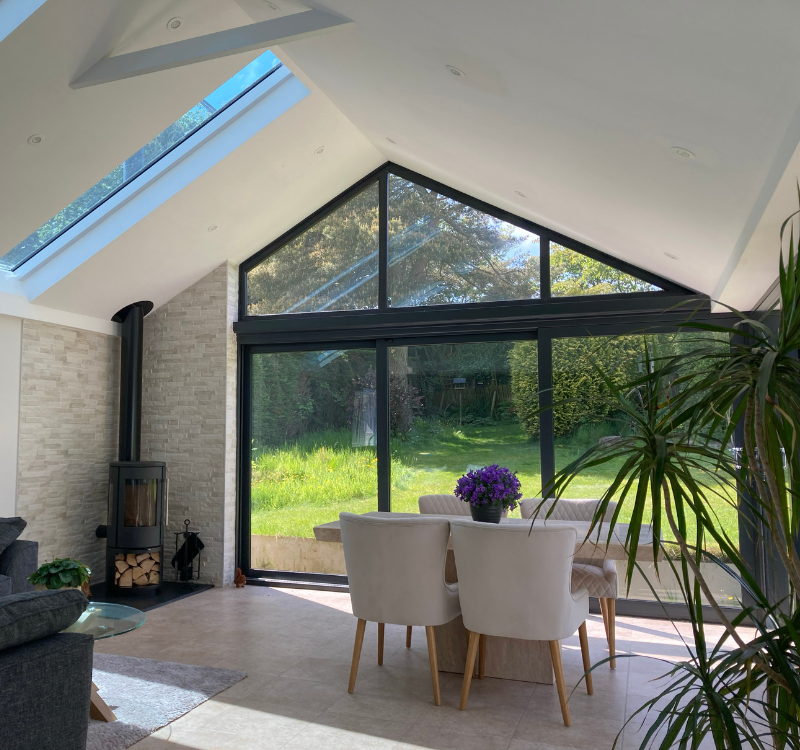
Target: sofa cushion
[37,614]
[10,529]
[5,586]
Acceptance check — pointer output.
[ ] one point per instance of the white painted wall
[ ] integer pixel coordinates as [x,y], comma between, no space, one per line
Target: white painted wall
[10,355]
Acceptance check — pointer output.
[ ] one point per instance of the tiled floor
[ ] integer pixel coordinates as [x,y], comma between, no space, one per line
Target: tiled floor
[296,648]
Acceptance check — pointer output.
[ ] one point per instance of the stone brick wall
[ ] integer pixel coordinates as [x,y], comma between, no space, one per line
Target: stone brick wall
[67,437]
[189,412]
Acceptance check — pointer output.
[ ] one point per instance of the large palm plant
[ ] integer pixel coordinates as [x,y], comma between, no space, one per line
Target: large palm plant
[675,464]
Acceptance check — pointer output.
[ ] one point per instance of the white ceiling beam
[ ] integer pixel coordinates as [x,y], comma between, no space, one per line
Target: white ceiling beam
[209,46]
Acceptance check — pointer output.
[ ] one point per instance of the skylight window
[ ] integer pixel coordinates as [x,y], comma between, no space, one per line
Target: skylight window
[184,127]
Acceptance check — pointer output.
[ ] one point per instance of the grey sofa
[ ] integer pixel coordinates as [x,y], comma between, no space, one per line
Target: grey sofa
[17,562]
[45,675]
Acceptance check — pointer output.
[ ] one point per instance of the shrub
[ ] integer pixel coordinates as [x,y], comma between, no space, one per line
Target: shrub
[575,379]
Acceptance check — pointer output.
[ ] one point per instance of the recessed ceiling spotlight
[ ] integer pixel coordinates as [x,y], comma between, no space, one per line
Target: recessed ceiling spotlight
[319,150]
[521,195]
[174,23]
[271,5]
[391,141]
[670,255]
[684,152]
[212,228]
[35,140]
[456,71]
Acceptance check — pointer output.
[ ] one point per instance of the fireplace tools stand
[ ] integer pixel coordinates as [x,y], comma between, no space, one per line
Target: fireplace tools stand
[189,553]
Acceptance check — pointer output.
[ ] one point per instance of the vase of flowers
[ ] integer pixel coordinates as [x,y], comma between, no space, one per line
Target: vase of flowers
[489,491]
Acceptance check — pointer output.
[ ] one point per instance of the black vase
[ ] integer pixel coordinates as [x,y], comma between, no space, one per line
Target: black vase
[487,513]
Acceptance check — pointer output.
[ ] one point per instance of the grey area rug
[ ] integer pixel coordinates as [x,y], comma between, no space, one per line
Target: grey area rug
[146,695]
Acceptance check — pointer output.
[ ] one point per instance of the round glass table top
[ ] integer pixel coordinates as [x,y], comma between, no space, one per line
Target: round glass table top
[106,620]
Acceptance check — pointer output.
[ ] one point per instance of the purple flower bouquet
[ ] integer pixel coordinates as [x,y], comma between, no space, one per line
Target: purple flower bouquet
[489,491]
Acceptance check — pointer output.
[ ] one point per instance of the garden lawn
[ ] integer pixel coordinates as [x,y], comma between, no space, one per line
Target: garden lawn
[310,482]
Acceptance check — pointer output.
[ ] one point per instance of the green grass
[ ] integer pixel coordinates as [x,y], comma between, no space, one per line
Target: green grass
[309,482]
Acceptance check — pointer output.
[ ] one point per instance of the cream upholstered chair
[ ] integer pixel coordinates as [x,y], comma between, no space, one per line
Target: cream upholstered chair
[599,577]
[395,570]
[514,582]
[443,505]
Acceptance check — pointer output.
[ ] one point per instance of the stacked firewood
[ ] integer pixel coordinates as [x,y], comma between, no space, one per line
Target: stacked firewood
[137,570]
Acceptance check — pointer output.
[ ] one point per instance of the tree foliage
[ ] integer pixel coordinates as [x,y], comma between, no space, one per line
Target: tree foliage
[573,275]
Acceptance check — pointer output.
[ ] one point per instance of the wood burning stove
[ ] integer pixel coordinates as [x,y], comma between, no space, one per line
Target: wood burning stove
[135,532]
[137,490]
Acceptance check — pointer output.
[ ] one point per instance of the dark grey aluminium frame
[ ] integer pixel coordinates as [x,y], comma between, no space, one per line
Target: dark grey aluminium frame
[544,319]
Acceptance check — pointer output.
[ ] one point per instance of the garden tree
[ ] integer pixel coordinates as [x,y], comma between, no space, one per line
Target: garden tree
[443,252]
[440,251]
[331,266]
[297,393]
[573,274]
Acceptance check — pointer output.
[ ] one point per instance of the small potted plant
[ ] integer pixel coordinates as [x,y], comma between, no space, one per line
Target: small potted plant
[62,573]
[489,491]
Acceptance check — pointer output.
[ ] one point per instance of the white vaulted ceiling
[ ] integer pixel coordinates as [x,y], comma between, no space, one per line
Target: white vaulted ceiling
[576,105]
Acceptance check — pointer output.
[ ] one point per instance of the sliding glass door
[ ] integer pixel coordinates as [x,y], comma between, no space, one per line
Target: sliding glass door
[460,406]
[312,449]
[583,417]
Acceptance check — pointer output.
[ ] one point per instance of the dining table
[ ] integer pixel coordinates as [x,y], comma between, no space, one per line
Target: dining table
[513,658]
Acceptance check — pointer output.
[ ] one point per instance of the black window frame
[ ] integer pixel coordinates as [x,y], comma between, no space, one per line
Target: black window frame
[542,319]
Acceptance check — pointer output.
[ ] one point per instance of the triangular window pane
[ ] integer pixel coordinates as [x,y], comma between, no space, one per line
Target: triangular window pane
[333,265]
[573,274]
[442,251]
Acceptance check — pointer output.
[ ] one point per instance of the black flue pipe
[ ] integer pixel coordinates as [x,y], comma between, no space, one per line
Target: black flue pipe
[130,379]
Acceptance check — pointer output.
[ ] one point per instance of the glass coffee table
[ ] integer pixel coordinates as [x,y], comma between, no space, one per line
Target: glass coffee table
[101,620]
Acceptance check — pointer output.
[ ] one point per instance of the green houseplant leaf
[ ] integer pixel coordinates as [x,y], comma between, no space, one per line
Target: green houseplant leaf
[59,573]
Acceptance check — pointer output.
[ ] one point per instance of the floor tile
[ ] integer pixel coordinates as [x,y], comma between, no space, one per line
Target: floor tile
[296,647]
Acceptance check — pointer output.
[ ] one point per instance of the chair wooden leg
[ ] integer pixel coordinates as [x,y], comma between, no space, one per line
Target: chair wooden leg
[555,655]
[408,637]
[431,635]
[360,627]
[481,656]
[587,662]
[604,610]
[381,628]
[611,604]
[469,668]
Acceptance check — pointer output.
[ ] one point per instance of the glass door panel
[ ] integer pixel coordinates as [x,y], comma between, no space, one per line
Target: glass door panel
[312,452]
[586,419]
[457,407]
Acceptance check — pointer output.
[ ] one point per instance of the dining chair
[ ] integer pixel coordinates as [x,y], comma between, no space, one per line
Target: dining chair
[443,505]
[395,571]
[446,505]
[599,577]
[514,582]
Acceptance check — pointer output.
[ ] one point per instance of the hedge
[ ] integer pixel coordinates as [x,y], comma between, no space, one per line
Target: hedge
[575,379]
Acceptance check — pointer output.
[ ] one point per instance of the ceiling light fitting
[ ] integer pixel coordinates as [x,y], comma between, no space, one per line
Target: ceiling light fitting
[521,195]
[670,255]
[271,5]
[174,23]
[212,227]
[35,140]
[319,150]
[684,152]
[391,141]
[456,71]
